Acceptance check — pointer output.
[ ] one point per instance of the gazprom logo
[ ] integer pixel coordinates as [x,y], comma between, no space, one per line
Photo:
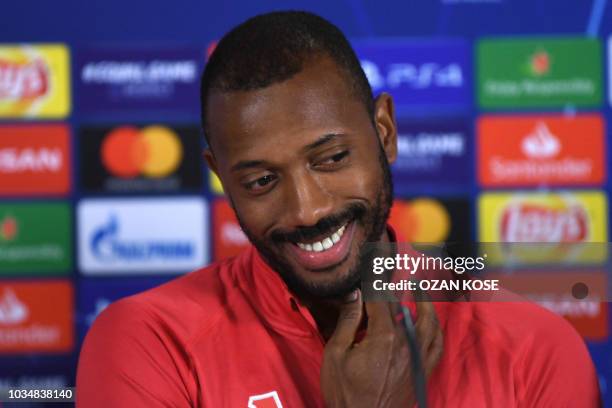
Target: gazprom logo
[142,236]
[107,246]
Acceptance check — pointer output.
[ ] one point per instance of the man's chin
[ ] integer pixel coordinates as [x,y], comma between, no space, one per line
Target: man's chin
[331,290]
[333,283]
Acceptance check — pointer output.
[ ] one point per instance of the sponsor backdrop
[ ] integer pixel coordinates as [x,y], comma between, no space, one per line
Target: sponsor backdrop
[503,110]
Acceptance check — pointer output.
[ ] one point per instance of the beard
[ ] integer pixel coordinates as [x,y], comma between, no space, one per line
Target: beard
[373,219]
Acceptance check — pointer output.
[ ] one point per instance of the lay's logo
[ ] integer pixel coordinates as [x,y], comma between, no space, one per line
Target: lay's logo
[538,223]
[34,81]
[20,81]
[541,217]
[566,224]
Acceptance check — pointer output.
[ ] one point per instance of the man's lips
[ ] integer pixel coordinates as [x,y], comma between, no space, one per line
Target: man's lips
[321,259]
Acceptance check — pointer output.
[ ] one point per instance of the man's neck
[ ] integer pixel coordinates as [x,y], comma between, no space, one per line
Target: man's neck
[325,312]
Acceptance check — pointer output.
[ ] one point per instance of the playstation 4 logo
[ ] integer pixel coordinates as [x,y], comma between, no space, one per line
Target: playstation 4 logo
[415,76]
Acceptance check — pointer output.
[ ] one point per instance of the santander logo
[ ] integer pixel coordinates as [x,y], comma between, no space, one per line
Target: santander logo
[20,81]
[541,144]
[538,223]
[12,310]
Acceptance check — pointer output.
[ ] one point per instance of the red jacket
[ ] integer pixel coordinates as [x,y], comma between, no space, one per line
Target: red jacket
[231,335]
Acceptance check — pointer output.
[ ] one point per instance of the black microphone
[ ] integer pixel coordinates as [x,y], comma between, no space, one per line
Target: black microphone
[418,373]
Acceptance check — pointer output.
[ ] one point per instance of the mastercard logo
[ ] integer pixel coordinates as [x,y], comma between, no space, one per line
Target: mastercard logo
[153,151]
[420,220]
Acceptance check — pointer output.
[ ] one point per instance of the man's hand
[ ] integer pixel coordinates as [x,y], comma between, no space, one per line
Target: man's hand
[376,372]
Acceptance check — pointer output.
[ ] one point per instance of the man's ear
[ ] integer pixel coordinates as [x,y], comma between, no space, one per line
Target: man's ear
[212,165]
[384,120]
[210,160]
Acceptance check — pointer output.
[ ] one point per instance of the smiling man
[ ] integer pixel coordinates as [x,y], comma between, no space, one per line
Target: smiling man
[303,151]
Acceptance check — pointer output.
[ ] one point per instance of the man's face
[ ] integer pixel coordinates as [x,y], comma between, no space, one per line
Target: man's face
[307,172]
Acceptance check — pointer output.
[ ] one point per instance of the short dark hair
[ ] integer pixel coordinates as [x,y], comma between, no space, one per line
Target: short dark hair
[273,47]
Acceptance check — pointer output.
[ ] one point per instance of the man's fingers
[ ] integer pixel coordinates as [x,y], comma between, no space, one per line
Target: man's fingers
[427,320]
[426,325]
[351,312]
[433,355]
[380,318]
[430,335]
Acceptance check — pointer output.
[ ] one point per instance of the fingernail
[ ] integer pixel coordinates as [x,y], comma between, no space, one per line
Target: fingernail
[351,297]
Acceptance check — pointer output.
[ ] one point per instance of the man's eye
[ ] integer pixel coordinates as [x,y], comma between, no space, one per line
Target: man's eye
[260,183]
[335,159]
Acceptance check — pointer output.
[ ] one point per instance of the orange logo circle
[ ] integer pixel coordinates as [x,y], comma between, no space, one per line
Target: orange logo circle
[420,220]
[154,151]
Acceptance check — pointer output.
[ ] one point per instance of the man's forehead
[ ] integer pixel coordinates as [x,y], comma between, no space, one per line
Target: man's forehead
[318,96]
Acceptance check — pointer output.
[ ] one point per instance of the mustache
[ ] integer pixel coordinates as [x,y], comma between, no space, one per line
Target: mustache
[325,226]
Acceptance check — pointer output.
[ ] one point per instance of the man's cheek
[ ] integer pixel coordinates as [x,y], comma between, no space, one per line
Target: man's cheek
[360,184]
[353,181]
[252,220]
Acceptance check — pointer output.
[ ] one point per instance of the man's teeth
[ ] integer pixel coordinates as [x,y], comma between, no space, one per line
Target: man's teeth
[325,243]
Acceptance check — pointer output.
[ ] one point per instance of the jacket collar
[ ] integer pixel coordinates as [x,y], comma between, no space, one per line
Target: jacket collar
[271,297]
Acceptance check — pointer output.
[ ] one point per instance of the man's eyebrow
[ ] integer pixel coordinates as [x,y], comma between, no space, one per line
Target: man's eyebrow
[322,140]
[245,164]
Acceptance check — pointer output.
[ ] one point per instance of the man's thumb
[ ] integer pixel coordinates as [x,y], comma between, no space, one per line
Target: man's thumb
[349,319]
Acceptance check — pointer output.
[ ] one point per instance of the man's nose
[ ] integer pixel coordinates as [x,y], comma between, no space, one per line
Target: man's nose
[307,201]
